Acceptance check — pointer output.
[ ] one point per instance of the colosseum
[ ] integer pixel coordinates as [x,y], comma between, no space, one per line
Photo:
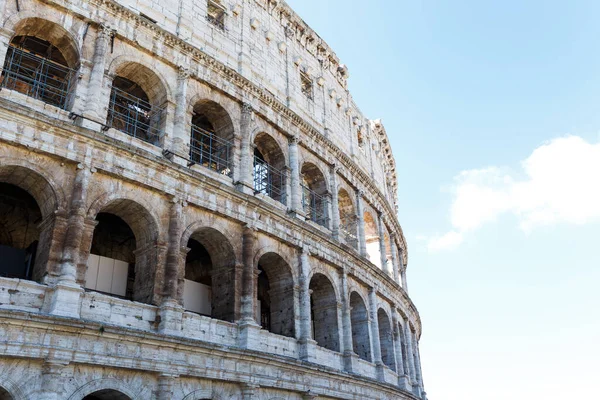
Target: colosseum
[193,207]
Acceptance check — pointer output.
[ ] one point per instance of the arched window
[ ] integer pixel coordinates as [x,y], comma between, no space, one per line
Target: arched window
[122,260]
[42,62]
[315,195]
[324,314]
[386,340]
[275,295]
[107,394]
[211,141]
[359,317]
[137,103]
[269,168]
[4,395]
[209,275]
[348,219]
[372,239]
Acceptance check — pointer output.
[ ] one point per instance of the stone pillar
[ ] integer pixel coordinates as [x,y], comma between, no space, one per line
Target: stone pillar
[180,144]
[395,267]
[307,344]
[360,210]
[94,87]
[288,187]
[375,334]
[335,206]
[84,249]
[249,335]
[5,37]
[66,293]
[382,247]
[347,349]
[409,354]
[418,372]
[244,183]
[296,189]
[403,379]
[171,311]
[249,391]
[51,380]
[403,278]
[166,384]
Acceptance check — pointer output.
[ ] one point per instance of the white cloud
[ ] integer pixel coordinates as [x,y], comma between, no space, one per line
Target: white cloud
[559,183]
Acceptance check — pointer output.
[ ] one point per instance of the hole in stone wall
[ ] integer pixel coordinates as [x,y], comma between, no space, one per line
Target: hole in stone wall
[361,337]
[324,313]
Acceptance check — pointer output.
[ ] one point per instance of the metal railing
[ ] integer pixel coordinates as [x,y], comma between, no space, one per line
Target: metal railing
[134,116]
[210,151]
[268,180]
[315,206]
[38,77]
[348,229]
[216,21]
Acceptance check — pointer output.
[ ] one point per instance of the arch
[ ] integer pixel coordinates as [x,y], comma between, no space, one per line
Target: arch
[348,219]
[269,167]
[372,239]
[386,339]
[123,251]
[9,390]
[315,194]
[4,394]
[200,394]
[211,137]
[107,394]
[36,182]
[106,384]
[361,335]
[210,281]
[41,62]
[324,312]
[26,199]
[138,101]
[275,295]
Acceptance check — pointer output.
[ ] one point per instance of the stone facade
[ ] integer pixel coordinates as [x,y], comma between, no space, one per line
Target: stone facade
[154,152]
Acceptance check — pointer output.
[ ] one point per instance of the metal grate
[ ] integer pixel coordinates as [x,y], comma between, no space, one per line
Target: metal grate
[210,151]
[348,226]
[134,116]
[268,180]
[38,77]
[315,206]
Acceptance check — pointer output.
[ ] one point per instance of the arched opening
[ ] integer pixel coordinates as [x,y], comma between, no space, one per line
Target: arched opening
[348,219]
[269,168]
[107,394]
[137,103]
[275,295]
[315,195]
[324,314]
[388,267]
[209,287]
[122,259]
[42,62]
[26,200]
[386,340]
[359,317]
[4,395]
[372,239]
[212,134]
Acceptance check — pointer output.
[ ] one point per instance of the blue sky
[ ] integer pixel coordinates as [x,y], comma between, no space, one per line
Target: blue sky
[493,113]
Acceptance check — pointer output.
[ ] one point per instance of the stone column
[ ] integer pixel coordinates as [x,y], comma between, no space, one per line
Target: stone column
[51,380]
[403,278]
[375,334]
[66,293]
[94,87]
[409,354]
[288,187]
[362,241]
[171,311]
[180,144]
[348,349]
[335,206]
[249,391]
[166,384]
[395,267]
[296,201]
[382,247]
[403,379]
[248,275]
[418,372]
[5,37]
[307,344]
[244,183]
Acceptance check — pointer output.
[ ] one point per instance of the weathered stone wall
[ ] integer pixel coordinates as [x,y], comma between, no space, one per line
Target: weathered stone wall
[79,167]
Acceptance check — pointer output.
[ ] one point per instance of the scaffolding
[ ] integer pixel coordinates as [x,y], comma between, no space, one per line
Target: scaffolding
[134,116]
[268,180]
[348,229]
[38,77]
[315,206]
[210,151]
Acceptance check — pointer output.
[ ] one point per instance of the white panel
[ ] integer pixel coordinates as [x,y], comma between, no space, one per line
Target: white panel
[197,297]
[105,272]
[119,278]
[91,273]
